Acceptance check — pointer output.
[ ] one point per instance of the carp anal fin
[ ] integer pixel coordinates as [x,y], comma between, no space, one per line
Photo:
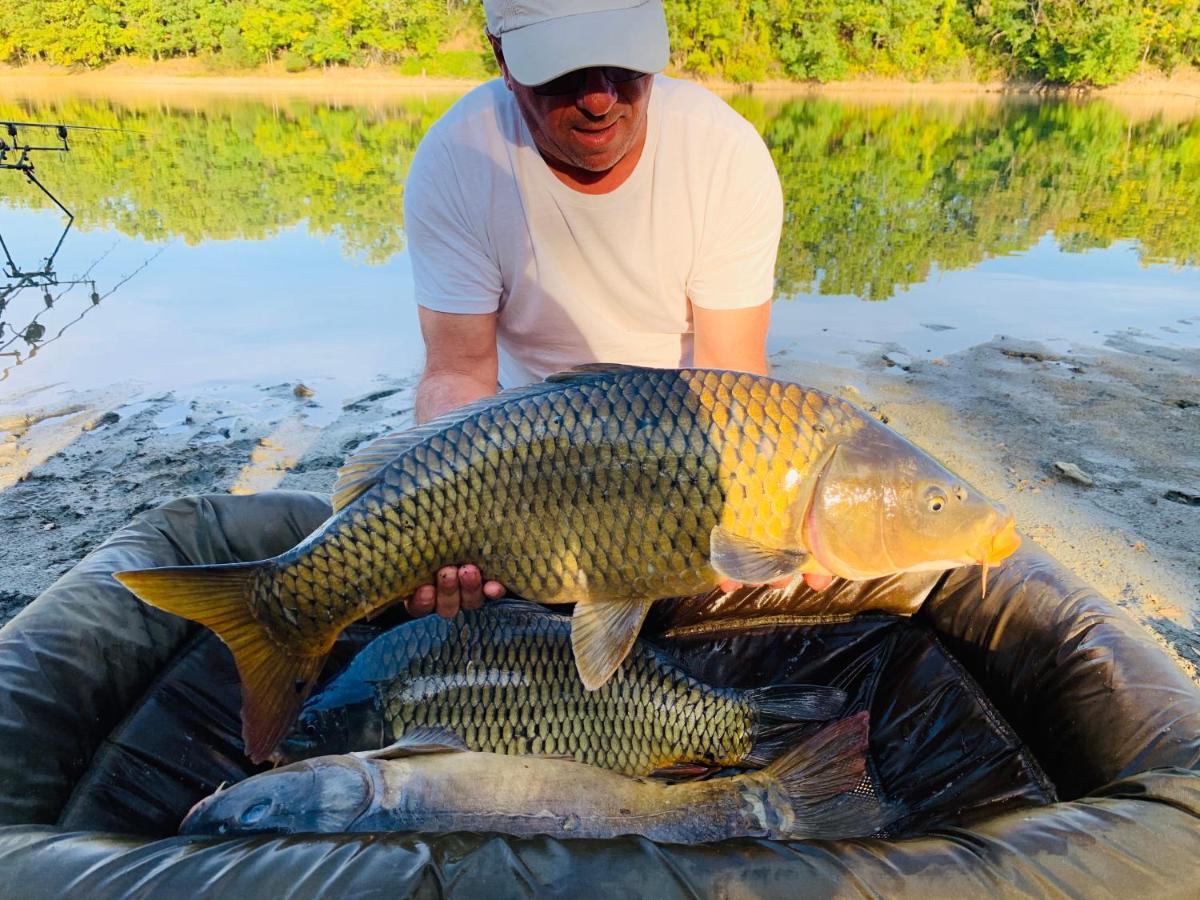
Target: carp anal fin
[274,683]
[602,633]
[418,742]
[362,468]
[588,371]
[748,561]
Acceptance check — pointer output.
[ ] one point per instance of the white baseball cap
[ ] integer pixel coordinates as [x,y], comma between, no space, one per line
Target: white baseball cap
[543,39]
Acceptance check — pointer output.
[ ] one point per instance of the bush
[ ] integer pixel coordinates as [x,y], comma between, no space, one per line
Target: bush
[294,62]
[471,64]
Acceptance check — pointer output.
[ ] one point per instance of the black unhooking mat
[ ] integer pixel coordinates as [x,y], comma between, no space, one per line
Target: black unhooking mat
[115,718]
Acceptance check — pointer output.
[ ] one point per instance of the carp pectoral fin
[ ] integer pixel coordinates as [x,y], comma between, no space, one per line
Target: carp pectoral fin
[274,683]
[418,742]
[602,631]
[748,561]
[685,771]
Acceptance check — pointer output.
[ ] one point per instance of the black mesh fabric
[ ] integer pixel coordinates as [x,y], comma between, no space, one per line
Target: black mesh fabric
[115,717]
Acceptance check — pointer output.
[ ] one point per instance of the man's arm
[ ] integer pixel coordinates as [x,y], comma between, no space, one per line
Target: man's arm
[731,338]
[460,361]
[460,366]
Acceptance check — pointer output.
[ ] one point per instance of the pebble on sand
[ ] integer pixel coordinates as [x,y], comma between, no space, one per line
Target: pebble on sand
[1073,472]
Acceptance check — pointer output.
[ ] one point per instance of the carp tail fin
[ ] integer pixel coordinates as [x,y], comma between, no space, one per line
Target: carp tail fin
[274,682]
[827,782]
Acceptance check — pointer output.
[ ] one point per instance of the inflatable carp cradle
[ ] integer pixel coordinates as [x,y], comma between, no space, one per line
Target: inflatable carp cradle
[1040,741]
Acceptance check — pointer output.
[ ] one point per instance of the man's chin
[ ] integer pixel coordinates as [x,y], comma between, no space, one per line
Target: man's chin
[596,163]
[597,159]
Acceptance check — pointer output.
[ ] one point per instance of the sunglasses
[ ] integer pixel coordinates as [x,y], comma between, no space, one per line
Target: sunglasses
[573,82]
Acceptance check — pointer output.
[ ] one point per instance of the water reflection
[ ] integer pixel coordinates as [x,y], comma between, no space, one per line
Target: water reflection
[270,210]
[237,169]
[876,195]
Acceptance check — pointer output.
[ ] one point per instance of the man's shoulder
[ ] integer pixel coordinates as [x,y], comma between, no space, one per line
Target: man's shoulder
[479,115]
[693,108]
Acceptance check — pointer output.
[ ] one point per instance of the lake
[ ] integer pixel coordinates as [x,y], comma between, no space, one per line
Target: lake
[265,239]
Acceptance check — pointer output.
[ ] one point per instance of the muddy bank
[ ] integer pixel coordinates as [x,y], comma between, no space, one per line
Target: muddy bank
[1093,448]
[74,470]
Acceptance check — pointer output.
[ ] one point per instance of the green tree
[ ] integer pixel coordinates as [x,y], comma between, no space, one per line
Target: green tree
[1069,41]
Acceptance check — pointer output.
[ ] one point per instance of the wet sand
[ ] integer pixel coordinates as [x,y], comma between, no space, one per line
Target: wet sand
[75,467]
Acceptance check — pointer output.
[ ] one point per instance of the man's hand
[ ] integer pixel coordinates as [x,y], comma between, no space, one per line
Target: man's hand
[457,587]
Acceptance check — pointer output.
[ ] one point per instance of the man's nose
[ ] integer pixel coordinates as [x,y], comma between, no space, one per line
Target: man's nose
[597,95]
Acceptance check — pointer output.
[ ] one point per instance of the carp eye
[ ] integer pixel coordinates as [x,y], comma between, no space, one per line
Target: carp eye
[252,814]
[310,728]
[935,499]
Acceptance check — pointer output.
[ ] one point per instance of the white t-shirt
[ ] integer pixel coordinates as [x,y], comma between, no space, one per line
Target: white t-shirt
[580,278]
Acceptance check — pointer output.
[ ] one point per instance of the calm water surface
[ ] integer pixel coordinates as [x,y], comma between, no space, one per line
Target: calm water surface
[272,238]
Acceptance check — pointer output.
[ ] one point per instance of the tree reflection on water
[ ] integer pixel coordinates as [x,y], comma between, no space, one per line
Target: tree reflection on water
[876,195]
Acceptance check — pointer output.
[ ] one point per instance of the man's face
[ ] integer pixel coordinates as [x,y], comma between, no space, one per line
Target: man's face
[591,128]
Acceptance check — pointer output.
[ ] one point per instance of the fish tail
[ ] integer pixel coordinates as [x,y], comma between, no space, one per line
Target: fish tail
[820,777]
[780,711]
[274,681]
[796,702]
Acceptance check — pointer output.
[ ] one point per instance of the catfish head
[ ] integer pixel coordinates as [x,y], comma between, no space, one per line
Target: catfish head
[320,795]
[881,505]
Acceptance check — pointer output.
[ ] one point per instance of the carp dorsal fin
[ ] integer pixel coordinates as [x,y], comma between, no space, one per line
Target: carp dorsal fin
[602,632]
[418,742]
[748,561]
[362,468]
[590,370]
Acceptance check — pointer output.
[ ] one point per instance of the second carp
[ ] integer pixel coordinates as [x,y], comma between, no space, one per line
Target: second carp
[503,680]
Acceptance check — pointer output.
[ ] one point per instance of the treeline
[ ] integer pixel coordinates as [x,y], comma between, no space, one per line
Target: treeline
[1063,41]
[876,197]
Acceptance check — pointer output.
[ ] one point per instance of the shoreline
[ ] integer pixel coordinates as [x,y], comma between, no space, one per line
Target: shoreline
[191,77]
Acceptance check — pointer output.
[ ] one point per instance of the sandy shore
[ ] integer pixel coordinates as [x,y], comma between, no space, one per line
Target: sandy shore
[1126,412]
[133,80]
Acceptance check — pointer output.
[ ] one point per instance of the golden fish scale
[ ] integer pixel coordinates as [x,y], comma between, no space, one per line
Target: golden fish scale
[607,488]
[507,684]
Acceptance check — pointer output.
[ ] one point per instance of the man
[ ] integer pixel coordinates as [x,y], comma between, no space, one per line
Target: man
[581,209]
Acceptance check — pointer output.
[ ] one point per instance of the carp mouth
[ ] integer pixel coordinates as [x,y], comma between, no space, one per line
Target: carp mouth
[1002,545]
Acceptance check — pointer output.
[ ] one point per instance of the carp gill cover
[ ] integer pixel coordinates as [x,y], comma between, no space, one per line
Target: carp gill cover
[502,680]
[607,486]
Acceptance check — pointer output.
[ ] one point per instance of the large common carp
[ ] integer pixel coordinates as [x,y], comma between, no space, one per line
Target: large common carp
[502,679]
[608,487]
[806,793]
